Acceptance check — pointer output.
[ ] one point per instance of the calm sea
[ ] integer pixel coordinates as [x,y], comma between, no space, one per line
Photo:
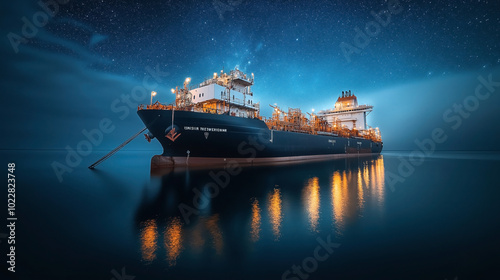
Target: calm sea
[358,218]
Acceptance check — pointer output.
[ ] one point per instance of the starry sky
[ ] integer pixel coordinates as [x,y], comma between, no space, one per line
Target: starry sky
[412,60]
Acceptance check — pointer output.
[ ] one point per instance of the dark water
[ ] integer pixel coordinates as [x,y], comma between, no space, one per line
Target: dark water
[340,219]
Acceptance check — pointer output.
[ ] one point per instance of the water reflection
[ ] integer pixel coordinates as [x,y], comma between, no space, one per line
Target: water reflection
[212,224]
[173,240]
[379,176]
[339,198]
[361,194]
[251,210]
[311,198]
[149,236]
[197,240]
[255,232]
[275,214]
[351,187]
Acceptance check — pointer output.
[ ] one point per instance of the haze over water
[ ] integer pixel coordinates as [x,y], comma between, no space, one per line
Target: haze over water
[440,223]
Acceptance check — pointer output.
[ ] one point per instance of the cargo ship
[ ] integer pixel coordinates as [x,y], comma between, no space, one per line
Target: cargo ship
[217,122]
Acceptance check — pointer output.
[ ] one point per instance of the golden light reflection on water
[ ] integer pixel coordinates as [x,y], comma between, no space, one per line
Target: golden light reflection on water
[212,224]
[149,238]
[373,178]
[366,175]
[173,240]
[352,190]
[377,175]
[339,198]
[380,175]
[275,212]
[368,183]
[361,195]
[311,199]
[255,232]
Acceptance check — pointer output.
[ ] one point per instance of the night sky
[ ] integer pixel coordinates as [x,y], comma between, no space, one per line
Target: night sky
[90,56]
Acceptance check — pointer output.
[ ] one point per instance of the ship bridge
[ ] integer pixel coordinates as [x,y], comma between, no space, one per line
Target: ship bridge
[222,93]
[348,112]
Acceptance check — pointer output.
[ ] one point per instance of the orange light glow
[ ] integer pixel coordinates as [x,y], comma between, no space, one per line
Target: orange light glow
[311,199]
[339,199]
[361,196]
[173,240]
[366,176]
[275,212]
[149,237]
[255,232]
[380,175]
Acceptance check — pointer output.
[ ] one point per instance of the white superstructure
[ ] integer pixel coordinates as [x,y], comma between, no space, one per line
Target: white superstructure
[348,112]
[223,93]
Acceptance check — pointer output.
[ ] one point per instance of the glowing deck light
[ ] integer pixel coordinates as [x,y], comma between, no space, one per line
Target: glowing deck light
[188,80]
[172,90]
[153,93]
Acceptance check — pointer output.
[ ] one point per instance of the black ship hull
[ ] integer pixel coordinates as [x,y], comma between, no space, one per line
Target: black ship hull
[194,138]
